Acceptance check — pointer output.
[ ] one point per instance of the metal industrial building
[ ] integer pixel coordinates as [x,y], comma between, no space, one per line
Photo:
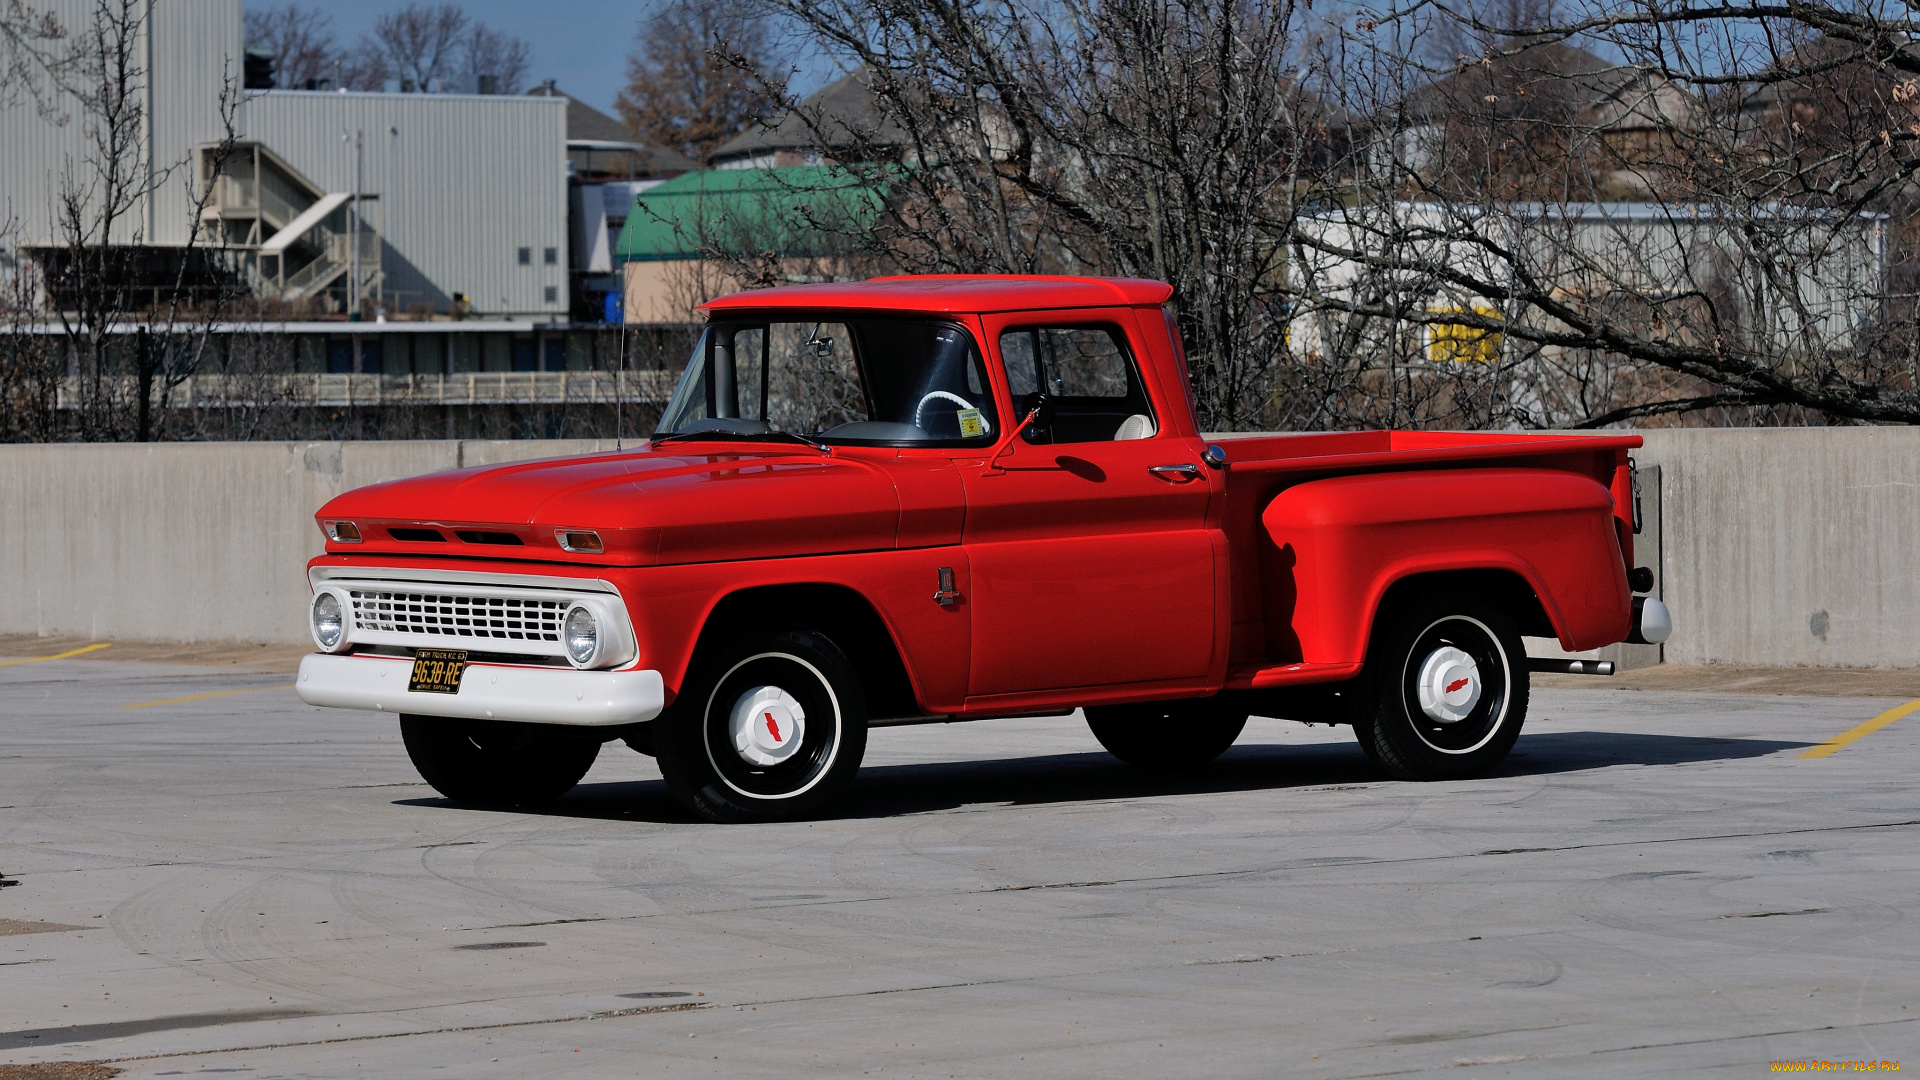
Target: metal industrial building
[470,190]
[453,209]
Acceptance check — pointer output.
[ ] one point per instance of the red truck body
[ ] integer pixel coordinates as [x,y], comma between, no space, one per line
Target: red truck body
[1074,573]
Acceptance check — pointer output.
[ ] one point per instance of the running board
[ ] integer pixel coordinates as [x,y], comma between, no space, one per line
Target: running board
[1570,667]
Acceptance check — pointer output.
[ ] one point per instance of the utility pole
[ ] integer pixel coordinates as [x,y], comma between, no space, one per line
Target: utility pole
[353,237]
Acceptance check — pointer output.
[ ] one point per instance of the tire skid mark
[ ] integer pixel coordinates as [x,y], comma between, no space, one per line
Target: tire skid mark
[611,1014]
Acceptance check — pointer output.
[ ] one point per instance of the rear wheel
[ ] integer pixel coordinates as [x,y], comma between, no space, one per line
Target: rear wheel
[1166,734]
[489,763]
[771,726]
[1446,689]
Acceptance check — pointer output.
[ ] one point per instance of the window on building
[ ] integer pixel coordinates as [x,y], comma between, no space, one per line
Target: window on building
[523,355]
[526,256]
[551,256]
[553,294]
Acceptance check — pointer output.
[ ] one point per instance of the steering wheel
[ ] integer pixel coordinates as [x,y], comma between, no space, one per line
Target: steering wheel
[942,395]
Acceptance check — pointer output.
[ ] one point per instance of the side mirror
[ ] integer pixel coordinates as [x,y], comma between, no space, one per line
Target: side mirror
[1034,427]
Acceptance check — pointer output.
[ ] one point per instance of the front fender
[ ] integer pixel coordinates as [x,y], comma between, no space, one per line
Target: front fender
[1345,541]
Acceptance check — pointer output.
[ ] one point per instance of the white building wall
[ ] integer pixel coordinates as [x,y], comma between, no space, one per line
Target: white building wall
[192,45]
[465,182]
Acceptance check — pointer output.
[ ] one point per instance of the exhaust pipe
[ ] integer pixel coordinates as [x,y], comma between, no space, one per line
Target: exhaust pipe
[1570,667]
[1652,622]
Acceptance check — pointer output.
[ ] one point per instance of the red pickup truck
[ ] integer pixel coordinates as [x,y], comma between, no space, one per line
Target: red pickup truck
[932,499]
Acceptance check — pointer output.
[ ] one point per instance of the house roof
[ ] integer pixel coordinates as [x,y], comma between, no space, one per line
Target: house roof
[845,110]
[953,294]
[1551,76]
[801,210]
[588,124]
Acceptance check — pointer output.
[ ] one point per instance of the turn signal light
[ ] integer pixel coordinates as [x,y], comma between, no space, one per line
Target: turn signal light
[583,541]
[343,532]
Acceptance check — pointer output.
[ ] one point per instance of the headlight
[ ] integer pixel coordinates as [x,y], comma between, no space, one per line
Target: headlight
[329,622]
[582,635]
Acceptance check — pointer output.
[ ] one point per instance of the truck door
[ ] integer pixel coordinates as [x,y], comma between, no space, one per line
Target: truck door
[1091,561]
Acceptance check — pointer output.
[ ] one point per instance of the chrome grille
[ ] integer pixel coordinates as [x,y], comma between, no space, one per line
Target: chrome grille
[469,615]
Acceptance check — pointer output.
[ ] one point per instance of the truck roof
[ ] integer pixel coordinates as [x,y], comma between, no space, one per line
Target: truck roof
[952,294]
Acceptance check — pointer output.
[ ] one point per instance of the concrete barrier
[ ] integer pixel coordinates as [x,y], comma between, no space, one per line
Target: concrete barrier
[1780,546]
[188,541]
[1791,546]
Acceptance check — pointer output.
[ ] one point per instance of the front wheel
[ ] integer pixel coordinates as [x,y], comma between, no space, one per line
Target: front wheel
[771,726]
[1166,734]
[1446,689]
[490,763]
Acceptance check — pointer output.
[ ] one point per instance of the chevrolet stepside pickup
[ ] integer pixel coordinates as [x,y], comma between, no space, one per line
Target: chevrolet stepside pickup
[934,499]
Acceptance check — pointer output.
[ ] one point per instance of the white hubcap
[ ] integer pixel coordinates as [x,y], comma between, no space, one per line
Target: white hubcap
[767,725]
[1449,685]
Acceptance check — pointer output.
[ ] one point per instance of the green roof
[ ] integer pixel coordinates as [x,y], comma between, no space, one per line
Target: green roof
[799,210]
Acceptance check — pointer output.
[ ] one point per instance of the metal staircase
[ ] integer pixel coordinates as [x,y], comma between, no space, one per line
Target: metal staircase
[290,238]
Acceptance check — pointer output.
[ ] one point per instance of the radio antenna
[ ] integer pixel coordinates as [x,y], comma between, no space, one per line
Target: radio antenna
[620,384]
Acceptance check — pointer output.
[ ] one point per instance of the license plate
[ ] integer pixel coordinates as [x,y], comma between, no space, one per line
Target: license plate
[437,671]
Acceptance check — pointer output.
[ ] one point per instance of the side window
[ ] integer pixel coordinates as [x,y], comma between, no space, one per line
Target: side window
[1090,375]
[1083,362]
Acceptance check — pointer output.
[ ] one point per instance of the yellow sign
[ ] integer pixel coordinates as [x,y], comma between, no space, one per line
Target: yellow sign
[1461,343]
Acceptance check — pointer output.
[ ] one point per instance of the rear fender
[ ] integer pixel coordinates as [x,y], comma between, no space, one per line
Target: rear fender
[1345,541]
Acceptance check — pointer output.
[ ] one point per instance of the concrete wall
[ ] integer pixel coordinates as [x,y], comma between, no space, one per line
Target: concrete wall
[1791,546]
[188,541]
[1783,547]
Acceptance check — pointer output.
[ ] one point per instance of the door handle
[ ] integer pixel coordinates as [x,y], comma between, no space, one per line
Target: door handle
[1178,474]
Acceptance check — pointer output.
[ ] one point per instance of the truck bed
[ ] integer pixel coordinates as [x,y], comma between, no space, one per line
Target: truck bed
[1264,577]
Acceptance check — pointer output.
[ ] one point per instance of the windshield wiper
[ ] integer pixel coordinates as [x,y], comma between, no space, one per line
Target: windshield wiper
[670,436]
[799,438]
[743,436]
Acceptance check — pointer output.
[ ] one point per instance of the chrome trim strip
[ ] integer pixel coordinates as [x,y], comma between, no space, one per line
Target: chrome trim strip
[459,577]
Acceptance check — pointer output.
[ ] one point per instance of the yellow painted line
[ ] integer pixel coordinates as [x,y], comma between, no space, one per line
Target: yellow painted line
[1864,730]
[203,697]
[61,656]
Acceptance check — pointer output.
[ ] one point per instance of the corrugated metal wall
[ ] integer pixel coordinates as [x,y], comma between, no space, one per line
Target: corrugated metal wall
[465,183]
[192,43]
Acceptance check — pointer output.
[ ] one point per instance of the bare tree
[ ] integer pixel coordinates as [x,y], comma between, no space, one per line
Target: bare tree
[103,270]
[499,57]
[1636,212]
[1131,137]
[681,90]
[301,40]
[30,52]
[1430,216]
[433,46]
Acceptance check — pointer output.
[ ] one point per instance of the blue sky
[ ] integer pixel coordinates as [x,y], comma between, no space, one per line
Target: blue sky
[584,46]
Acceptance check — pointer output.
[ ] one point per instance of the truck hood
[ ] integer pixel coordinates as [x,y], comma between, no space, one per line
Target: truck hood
[670,506]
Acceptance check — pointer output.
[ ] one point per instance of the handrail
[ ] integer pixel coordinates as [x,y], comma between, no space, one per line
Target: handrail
[335,390]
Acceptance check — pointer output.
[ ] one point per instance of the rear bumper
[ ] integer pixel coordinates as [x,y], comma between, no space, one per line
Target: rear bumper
[530,695]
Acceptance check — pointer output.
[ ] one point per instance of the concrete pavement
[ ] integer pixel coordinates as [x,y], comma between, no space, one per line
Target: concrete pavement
[1656,881]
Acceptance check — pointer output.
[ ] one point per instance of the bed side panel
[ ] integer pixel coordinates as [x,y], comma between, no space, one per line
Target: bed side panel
[1341,542]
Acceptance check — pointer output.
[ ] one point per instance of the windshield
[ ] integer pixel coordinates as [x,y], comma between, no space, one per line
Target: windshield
[888,382]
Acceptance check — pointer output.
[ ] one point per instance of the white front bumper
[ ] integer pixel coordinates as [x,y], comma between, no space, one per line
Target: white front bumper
[487,692]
